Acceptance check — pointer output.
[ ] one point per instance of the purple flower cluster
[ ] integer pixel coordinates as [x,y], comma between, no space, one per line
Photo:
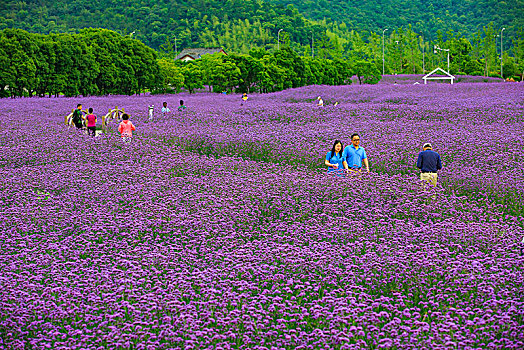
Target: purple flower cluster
[215,227]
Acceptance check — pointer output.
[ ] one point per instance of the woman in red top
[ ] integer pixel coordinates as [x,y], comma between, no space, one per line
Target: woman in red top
[91,122]
[126,128]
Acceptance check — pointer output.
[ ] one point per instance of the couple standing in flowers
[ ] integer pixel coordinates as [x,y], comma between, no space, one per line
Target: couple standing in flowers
[350,159]
[353,156]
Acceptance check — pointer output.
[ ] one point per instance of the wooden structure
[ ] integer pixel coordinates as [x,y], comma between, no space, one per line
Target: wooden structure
[115,113]
[446,76]
[68,120]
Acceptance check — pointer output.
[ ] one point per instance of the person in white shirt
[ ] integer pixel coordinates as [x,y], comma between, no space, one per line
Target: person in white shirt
[165,109]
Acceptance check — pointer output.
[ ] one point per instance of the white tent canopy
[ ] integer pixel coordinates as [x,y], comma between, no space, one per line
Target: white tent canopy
[429,76]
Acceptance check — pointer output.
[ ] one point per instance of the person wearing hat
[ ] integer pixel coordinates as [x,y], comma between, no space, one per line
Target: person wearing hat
[429,163]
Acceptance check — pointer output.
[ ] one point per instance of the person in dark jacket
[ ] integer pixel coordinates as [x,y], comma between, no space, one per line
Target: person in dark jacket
[429,163]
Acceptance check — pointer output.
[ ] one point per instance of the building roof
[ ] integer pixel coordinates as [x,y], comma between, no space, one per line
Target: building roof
[196,53]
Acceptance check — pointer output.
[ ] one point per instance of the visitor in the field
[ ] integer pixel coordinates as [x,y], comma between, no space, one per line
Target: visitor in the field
[182,106]
[151,111]
[126,128]
[165,109]
[244,98]
[334,159]
[354,156]
[91,123]
[429,163]
[78,116]
[320,101]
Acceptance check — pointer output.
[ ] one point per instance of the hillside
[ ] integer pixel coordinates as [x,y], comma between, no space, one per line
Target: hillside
[425,16]
[235,24]
[239,25]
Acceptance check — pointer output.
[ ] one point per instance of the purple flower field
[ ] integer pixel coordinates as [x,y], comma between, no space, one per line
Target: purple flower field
[218,228]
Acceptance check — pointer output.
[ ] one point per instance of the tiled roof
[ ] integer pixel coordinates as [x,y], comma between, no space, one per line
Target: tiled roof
[198,52]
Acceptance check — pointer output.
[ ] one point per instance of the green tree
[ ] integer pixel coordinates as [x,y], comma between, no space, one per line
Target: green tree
[193,76]
[251,70]
[220,73]
[367,72]
[171,75]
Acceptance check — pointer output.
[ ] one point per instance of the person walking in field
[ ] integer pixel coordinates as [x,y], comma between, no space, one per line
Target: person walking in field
[165,109]
[334,159]
[126,128]
[91,123]
[354,156]
[78,117]
[244,98]
[182,106]
[429,163]
[320,101]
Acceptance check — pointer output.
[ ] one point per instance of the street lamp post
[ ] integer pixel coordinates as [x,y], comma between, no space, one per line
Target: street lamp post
[175,46]
[278,38]
[423,57]
[312,47]
[383,50]
[501,75]
[396,51]
[436,47]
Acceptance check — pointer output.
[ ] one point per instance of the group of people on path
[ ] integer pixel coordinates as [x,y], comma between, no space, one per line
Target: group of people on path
[354,157]
[79,118]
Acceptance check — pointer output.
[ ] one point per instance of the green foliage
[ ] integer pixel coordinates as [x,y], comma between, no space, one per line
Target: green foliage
[510,68]
[265,72]
[221,73]
[193,76]
[367,73]
[322,29]
[427,17]
[171,76]
[92,62]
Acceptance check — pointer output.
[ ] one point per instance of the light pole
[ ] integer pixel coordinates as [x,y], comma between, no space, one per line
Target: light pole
[278,38]
[423,57]
[436,47]
[383,50]
[312,48]
[396,50]
[176,51]
[501,75]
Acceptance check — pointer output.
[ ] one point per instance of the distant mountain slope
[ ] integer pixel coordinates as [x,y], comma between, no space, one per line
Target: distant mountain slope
[426,16]
[240,25]
[229,23]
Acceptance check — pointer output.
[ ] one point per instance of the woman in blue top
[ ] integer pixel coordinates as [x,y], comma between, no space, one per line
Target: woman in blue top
[334,159]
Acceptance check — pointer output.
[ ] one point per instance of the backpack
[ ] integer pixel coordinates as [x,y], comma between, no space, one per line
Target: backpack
[77,116]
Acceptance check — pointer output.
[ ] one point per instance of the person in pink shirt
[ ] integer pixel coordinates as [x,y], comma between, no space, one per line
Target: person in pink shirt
[126,128]
[91,123]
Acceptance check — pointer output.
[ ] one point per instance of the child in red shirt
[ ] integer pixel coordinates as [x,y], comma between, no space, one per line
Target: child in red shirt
[91,123]
[126,128]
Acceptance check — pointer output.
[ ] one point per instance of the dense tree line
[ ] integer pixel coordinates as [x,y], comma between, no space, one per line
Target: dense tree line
[101,62]
[241,25]
[261,71]
[92,62]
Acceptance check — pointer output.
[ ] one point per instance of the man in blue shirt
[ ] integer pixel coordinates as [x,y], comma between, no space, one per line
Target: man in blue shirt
[354,155]
[429,163]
